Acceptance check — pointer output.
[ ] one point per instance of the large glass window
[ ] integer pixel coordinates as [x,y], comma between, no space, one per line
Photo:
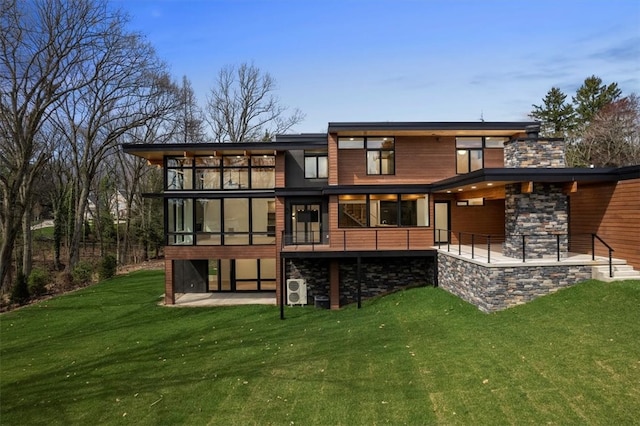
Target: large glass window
[180,221]
[235,172]
[179,173]
[208,172]
[263,171]
[215,173]
[352,211]
[316,165]
[208,222]
[469,151]
[380,156]
[242,274]
[383,210]
[263,221]
[468,154]
[230,221]
[236,221]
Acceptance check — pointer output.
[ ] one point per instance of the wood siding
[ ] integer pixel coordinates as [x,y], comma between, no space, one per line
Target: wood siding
[332,153]
[417,160]
[493,157]
[610,211]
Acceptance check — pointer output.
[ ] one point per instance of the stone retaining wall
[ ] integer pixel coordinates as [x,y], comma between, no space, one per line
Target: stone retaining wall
[493,288]
[378,276]
[383,275]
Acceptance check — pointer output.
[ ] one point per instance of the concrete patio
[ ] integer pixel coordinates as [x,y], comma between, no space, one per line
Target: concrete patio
[225,299]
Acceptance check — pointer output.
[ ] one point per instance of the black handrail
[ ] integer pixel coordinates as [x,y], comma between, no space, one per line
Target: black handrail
[593,251]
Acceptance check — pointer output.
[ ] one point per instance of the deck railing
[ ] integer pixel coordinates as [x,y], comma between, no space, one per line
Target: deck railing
[563,242]
[352,239]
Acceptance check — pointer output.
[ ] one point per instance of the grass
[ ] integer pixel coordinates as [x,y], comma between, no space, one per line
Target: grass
[109,355]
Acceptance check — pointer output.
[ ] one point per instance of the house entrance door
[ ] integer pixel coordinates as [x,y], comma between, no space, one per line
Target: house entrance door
[305,223]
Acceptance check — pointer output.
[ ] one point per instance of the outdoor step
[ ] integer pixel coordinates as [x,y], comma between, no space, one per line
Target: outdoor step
[620,272]
[626,273]
[615,267]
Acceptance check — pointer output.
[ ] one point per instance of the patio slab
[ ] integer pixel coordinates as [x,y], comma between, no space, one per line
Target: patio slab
[225,299]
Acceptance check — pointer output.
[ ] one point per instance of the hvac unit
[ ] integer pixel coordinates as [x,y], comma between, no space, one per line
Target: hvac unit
[296,292]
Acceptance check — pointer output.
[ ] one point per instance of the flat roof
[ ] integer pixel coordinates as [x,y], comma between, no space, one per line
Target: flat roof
[446,128]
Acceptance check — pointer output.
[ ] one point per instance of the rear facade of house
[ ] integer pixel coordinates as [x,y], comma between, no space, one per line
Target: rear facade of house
[362,209]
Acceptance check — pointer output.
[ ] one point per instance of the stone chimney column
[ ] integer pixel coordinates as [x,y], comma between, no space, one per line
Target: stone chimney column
[539,213]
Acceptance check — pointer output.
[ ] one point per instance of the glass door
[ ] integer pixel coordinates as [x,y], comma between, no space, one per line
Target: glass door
[305,223]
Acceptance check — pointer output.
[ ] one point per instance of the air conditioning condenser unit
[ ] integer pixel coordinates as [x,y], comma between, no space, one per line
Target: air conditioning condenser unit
[296,292]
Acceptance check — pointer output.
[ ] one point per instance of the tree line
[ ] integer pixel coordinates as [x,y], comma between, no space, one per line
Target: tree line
[75,83]
[601,127]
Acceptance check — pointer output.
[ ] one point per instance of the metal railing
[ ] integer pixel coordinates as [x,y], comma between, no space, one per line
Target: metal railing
[361,239]
[563,243]
[595,237]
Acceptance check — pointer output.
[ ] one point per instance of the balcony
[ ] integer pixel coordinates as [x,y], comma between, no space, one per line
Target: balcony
[367,239]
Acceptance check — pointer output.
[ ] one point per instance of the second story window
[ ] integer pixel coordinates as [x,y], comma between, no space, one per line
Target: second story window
[380,156]
[316,165]
[221,172]
[468,154]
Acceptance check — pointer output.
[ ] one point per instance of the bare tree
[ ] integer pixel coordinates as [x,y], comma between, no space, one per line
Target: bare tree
[612,137]
[242,106]
[188,123]
[43,44]
[127,86]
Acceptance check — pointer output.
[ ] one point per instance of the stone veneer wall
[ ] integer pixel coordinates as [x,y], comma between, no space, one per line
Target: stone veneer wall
[383,275]
[541,216]
[499,287]
[534,153]
[379,276]
[314,271]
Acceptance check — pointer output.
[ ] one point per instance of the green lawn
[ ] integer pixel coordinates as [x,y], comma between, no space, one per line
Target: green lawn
[109,355]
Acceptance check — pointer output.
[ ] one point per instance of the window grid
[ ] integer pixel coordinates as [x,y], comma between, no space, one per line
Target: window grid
[227,172]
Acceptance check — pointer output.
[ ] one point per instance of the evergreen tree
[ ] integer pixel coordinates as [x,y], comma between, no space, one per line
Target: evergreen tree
[591,97]
[555,114]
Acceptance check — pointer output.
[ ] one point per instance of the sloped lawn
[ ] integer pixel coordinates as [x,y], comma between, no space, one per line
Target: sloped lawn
[110,354]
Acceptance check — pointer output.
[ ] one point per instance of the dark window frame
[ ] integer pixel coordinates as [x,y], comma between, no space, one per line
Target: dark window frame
[316,156]
[399,213]
[380,159]
[193,169]
[193,234]
[479,149]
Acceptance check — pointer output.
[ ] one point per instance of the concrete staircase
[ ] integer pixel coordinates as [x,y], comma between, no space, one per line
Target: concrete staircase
[620,272]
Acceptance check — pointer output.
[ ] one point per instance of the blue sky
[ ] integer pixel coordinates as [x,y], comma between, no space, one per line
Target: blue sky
[399,60]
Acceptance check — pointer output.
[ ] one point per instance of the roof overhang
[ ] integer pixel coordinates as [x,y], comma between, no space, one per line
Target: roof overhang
[489,183]
[444,128]
[155,153]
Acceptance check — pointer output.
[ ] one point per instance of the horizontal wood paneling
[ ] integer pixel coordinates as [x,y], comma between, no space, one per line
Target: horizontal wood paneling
[417,160]
[280,170]
[487,219]
[612,211]
[388,238]
[219,252]
[493,157]
[332,153]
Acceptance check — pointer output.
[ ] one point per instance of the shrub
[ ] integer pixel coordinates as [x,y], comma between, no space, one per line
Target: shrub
[38,281]
[108,267]
[82,273]
[20,291]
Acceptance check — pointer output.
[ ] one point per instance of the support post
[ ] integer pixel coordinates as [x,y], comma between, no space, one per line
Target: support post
[282,287]
[359,273]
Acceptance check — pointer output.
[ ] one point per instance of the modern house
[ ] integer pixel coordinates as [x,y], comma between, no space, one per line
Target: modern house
[486,210]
